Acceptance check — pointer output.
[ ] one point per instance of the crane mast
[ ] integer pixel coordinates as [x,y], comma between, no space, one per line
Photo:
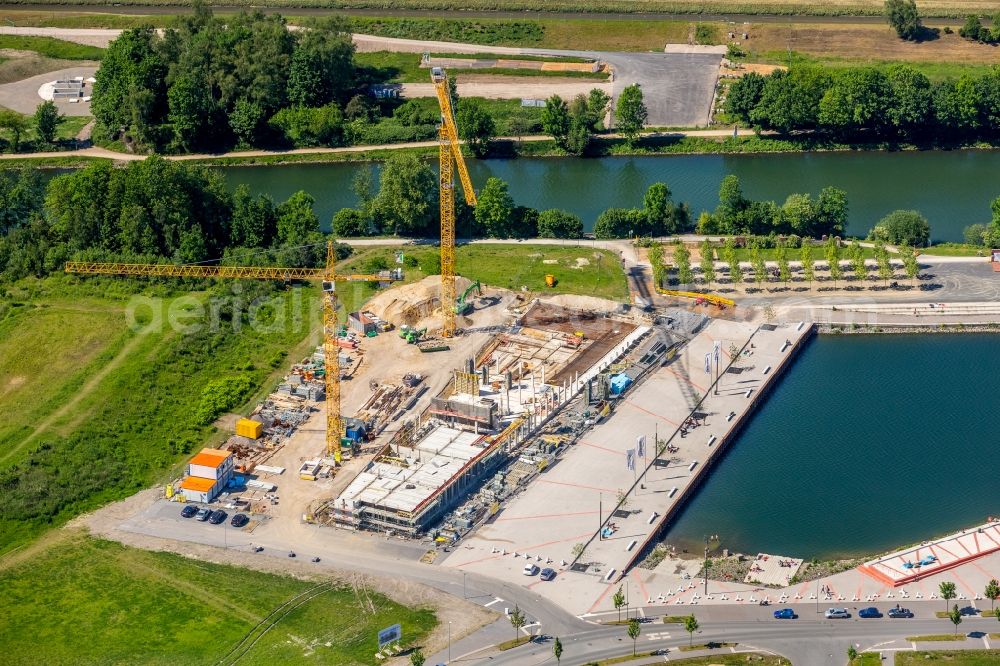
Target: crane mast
[328,277]
[450,157]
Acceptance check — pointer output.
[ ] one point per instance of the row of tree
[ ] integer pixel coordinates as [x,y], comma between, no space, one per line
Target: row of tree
[800,214]
[895,102]
[761,273]
[573,125]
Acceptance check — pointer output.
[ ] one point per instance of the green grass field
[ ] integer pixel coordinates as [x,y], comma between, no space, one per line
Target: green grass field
[502,265]
[81,600]
[97,411]
[955,250]
[953,657]
[51,47]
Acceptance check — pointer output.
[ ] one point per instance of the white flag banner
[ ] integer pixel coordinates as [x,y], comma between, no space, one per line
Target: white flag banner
[715,350]
[708,363]
[640,445]
[630,459]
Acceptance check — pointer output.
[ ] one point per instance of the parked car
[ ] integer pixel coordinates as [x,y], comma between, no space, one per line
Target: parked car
[189,511]
[900,612]
[871,611]
[530,570]
[217,516]
[203,515]
[784,614]
[239,520]
[836,614]
[547,574]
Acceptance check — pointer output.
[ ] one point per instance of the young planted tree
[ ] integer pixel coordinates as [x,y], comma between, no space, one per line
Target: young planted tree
[833,259]
[517,621]
[618,599]
[707,263]
[682,260]
[858,262]
[417,658]
[992,591]
[946,590]
[784,270]
[885,270]
[633,631]
[955,615]
[910,265]
[852,653]
[808,263]
[557,650]
[729,254]
[690,626]
[758,265]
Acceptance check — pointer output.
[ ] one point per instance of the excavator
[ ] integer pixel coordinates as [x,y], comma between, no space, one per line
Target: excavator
[462,306]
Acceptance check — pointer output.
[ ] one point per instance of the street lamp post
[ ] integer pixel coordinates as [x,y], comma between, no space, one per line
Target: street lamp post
[464,595]
[449,642]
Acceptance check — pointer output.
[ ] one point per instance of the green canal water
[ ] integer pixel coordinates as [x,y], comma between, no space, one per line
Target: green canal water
[867,443]
[951,188]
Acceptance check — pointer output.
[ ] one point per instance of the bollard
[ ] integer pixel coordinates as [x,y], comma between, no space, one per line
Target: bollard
[673,491]
[694,464]
[711,440]
[767,370]
[747,394]
[631,545]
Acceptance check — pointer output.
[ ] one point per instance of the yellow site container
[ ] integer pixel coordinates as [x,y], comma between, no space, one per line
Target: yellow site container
[248,428]
[550,280]
[170,490]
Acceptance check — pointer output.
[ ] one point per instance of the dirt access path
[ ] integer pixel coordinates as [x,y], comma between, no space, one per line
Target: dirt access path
[88,388]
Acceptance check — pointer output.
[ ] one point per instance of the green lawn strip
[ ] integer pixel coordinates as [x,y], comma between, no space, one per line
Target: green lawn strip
[51,47]
[171,609]
[952,657]
[513,643]
[771,254]
[936,637]
[955,250]
[729,659]
[706,646]
[140,420]
[510,56]
[933,70]
[867,659]
[675,619]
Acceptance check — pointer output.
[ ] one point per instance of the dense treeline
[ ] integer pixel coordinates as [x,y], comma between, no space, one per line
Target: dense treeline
[248,80]
[207,81]
[894,103]
[151,210]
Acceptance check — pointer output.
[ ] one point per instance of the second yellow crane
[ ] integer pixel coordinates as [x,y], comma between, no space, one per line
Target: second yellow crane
[327,275]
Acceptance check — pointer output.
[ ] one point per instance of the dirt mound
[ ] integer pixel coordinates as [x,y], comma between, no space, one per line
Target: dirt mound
[591,303]
[412,303]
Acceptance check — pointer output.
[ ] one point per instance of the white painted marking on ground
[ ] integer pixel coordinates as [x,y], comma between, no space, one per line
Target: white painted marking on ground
[496,600]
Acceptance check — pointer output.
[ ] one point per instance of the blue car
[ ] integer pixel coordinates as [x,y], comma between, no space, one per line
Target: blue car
[784,614]
[869,612]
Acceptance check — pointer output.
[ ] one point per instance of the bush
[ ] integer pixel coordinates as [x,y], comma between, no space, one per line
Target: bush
[903,227]
[618,222]
[310,126]
[221,395]
[349,222]
[555,223]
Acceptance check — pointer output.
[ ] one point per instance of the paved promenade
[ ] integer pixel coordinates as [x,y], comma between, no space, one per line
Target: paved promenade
[571,503]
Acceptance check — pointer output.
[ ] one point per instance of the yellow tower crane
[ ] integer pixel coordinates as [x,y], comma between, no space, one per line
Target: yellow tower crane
[328,278]
[450,154]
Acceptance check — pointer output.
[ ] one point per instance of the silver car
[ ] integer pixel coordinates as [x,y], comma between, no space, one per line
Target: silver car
[836,613]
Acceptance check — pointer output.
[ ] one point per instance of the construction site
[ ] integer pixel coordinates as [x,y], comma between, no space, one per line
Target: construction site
[435,407]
